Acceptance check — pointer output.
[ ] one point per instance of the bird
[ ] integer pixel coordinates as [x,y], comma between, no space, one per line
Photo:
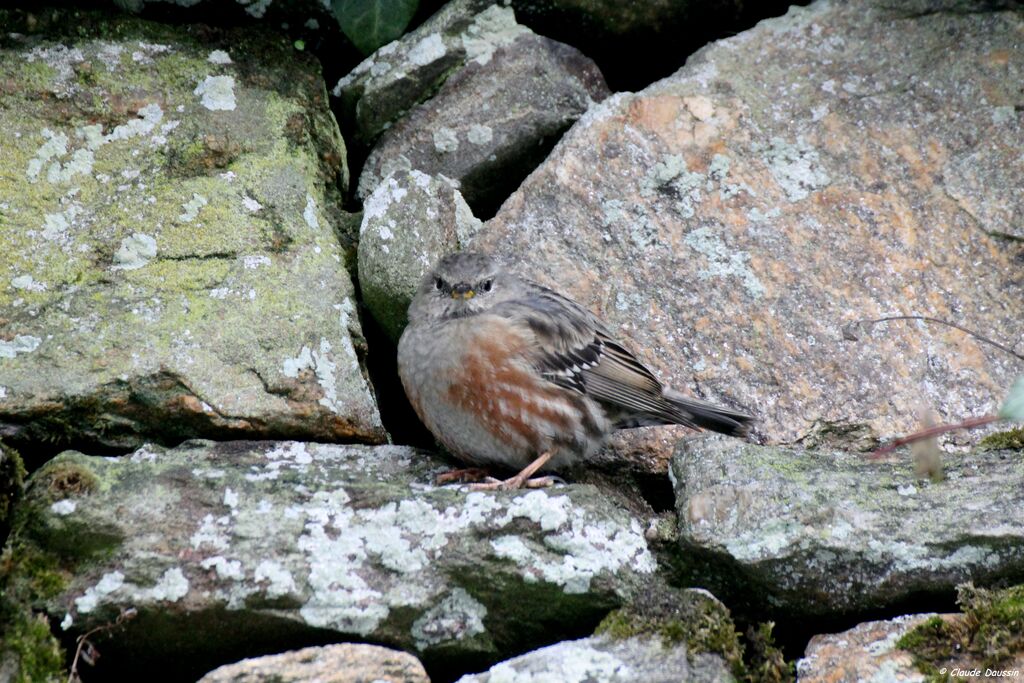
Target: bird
[506,372]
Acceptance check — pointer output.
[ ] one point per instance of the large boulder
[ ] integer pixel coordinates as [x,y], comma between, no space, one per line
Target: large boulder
[747,221]
[821,532]
[171,267]
[235,549]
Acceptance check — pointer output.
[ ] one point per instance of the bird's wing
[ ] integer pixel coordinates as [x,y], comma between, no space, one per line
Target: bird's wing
[576,351]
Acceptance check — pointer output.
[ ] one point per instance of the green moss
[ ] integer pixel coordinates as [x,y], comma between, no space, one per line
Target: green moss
[988,634]
[28,642]
[12,481]
[63,478]
[28,576]
[996,622]
[702,624]
[1011,439]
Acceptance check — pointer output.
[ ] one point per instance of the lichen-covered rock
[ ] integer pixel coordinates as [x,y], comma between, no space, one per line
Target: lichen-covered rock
[409,222]
[406,72]
[240,548]
[814,532]
[867,652]
[170,267]
[601,659]
[343,663]
[736,220]
[492,121]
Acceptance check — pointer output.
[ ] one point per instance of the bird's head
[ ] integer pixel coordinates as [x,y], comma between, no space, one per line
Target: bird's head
[459,285]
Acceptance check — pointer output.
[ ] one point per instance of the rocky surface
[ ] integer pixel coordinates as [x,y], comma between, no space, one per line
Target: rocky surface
[492,121]
[171,267]
[817,532]
[867,652]
[736,220]
[235,549]
[176,265]
[600,659]
[344,663]
[409,222]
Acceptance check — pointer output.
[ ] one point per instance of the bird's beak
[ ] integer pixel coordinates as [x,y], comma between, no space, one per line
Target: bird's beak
[462,291]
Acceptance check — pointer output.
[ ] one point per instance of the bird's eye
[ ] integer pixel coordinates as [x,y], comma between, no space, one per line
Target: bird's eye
[439,283]
[486,286]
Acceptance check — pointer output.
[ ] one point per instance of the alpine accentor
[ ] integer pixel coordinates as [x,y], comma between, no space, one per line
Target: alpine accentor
[504,371]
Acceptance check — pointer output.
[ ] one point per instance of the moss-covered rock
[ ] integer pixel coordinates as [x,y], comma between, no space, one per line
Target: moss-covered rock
[1010,439]
[696,620]
[988,635]
[173,265]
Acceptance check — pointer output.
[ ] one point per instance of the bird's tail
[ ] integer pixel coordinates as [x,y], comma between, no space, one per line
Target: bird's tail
[696,413]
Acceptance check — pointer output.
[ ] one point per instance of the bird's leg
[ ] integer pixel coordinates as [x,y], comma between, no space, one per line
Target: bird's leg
[463,476]
[521,480]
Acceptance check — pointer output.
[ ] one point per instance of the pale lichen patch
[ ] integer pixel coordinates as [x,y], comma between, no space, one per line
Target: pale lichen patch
[217,93]
[135,252]
[22,343]
[457,617]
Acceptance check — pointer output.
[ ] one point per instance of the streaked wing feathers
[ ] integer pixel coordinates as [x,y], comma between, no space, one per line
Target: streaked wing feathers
[577,352]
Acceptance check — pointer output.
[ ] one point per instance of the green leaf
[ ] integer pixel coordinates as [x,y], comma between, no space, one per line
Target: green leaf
[1013,408]
[372,23]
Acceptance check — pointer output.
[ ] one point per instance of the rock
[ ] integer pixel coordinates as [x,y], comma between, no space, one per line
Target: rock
[819,532]
[409,222]
[492,121]
[408,71]
[736,223]
[235,549]
[867,652]
[344,663]
[600,659]
[171,267]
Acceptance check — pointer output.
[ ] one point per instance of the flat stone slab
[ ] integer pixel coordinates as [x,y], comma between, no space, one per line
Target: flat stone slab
[242,548]
[816,532]
[171,267]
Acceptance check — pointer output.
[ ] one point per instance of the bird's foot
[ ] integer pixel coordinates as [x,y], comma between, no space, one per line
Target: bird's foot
[513,483]
[464,476]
